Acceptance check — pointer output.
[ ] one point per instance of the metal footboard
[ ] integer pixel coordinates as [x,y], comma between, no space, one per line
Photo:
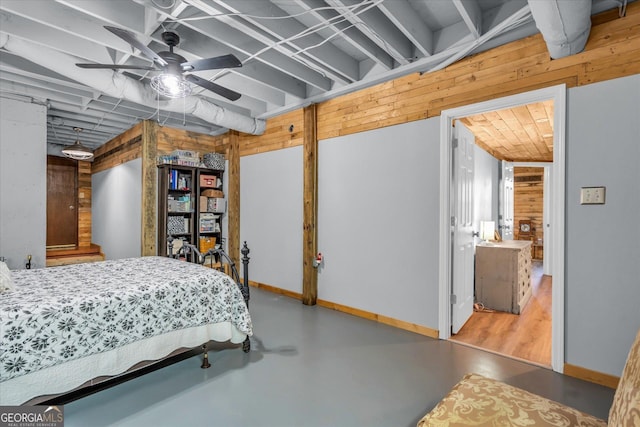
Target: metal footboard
[191,253]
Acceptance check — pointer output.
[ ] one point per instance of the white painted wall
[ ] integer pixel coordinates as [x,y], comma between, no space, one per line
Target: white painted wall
[271,216]
[116,208]
[603,241]
[485,188]
[378,213]
[23,183]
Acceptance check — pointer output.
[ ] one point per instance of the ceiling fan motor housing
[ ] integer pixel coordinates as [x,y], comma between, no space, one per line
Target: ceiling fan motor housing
[171,39]
[173,62]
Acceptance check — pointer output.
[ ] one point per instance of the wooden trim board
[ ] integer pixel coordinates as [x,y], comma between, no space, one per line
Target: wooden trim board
[400,324]
[274,290]
[585,374]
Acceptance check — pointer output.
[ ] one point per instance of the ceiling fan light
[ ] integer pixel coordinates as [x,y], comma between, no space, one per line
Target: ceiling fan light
[171,85]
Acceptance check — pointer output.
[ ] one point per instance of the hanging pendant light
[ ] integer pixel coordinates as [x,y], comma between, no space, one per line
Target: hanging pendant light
[77,151]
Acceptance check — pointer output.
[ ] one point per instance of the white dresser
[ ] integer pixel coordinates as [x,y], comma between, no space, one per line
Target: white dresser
[503,275]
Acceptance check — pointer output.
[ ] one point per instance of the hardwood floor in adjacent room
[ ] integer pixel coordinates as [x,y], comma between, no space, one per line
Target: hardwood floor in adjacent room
[526,336]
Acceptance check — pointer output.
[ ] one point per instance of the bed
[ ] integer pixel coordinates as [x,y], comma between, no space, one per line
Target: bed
[61,327]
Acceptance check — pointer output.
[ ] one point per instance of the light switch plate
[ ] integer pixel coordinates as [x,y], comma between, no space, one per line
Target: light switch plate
[592,195]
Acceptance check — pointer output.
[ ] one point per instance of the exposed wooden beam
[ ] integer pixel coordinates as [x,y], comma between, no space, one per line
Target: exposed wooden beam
[310,208]
[84,204]
[149,184]
[233,196]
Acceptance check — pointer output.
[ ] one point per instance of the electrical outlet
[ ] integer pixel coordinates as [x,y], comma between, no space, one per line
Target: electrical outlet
[592,195]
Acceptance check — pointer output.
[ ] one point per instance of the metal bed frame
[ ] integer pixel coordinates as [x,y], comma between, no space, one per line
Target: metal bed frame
[191,253]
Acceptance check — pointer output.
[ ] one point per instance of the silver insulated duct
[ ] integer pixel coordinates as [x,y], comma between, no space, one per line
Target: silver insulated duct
[120,86]
[564,24]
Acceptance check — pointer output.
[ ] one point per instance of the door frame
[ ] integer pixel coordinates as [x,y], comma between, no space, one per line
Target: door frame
[558,95]
[71,164]
[547,185]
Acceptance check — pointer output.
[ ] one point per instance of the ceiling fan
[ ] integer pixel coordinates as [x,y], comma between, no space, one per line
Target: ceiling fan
[171,82]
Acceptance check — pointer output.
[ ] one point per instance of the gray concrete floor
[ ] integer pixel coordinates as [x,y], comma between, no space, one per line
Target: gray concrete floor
[311,366]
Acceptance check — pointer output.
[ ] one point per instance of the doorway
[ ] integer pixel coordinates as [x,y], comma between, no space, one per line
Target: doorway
[556,235]
[62,196]
[493,327]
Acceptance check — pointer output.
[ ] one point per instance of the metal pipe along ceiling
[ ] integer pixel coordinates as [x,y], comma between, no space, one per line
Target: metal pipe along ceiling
[119,86]
[564,24]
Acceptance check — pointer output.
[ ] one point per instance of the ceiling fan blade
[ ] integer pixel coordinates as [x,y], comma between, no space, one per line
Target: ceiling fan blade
[224,61]
[215,88]
[118,67]
[130,38]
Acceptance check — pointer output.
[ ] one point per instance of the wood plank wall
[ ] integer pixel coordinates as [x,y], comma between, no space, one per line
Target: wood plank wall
[84,204]
[121,149]
[278,134]
[170,139]
[528,199]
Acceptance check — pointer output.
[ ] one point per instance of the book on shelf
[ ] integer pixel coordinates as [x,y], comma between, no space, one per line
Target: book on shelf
[179,181]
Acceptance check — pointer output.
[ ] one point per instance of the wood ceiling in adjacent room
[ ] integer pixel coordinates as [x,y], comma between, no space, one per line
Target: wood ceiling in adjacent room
[519,134]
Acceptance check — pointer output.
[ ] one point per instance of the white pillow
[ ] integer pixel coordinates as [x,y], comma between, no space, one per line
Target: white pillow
[6,284]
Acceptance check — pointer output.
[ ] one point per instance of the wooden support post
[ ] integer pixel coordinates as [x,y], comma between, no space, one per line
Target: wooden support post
[233,198]
[84,204]
[310,208]
[149,184]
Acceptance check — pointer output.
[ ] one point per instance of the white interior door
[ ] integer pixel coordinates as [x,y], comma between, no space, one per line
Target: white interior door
[506,201]
[462,228]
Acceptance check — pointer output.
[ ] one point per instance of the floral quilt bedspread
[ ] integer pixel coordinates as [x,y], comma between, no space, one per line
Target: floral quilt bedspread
[63,313]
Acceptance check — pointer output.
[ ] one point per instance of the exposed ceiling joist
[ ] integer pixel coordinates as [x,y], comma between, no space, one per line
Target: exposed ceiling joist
[293,52]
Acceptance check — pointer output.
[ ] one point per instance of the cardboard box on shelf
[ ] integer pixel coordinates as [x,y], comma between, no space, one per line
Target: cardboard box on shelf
[208,181]
[213,193]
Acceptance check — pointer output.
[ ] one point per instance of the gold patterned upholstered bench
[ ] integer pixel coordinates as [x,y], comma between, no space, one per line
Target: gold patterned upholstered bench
[481,401]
